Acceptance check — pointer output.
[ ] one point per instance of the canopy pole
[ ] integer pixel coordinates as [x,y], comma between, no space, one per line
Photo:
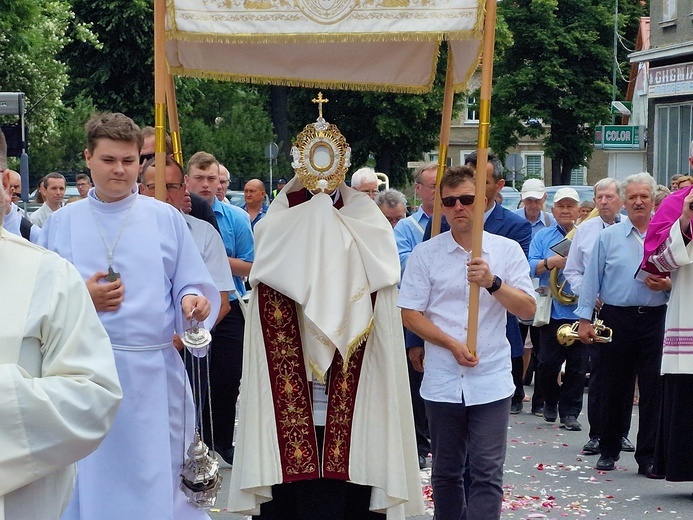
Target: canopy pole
[481,161]
[160,74]
[446,120]
[174,125]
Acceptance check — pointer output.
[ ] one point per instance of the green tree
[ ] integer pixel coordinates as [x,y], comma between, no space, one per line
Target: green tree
[32,34]
[64,150]
[554,81]
[117,69]
[389,129]
[228,120]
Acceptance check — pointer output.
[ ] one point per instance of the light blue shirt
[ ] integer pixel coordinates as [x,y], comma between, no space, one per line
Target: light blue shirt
[408,233]
[234,225]
[261,213]
[540,248]
[610,272]
[540,222]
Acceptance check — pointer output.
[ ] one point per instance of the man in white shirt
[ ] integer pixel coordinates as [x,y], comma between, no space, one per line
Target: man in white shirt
[59,388]
[467,396]
[52,190]
[609,204]
[209,244]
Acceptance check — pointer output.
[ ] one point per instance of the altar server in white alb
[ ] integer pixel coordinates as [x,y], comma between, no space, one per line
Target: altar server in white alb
[145,277]
[345,449]
[59,388]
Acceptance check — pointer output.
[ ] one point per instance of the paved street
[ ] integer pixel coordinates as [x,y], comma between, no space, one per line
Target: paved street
[547,477]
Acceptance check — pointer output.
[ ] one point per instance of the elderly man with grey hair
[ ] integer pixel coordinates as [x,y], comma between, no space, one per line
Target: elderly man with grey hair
[608,201]
[393,204]
[366,181]
[635,309]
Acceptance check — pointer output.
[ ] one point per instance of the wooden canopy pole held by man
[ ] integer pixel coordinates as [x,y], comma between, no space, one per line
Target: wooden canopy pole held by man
[174,125]
[446,120]
[160,74]
[481,160]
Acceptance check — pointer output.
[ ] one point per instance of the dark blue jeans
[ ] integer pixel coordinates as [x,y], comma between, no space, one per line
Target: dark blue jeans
[456,431]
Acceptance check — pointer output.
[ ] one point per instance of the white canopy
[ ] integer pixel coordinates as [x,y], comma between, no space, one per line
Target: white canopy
[385,45]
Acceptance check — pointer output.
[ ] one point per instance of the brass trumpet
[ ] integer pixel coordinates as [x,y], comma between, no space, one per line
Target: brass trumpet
[568,334]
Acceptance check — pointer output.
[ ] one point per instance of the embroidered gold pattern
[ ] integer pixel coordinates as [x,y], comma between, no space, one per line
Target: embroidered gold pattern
[292,403]
[340,412]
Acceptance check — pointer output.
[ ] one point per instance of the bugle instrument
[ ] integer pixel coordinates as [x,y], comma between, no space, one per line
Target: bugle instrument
[568,334]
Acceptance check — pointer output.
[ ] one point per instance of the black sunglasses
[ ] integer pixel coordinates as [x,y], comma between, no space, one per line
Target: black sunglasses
[145,157]
[465,200]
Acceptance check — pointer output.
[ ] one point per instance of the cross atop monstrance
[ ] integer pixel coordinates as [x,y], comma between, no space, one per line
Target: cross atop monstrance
[320,100]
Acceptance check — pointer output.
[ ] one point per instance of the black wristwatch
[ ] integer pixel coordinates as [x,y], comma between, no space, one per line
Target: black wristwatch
[495,285]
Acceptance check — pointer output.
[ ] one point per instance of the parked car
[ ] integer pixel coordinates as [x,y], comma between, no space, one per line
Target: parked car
[235,197]
[511,197]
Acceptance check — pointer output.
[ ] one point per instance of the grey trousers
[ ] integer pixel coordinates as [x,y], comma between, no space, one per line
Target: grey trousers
[479,431]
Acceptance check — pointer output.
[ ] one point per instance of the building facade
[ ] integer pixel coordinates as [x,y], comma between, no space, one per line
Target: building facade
[668,88]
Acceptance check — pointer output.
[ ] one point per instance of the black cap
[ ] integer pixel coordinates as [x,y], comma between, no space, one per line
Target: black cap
[281,181]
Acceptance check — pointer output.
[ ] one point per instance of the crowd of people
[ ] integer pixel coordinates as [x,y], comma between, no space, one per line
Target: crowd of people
[97,374]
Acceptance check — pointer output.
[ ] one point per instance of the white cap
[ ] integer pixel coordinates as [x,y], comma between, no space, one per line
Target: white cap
[566,193]
[533,189]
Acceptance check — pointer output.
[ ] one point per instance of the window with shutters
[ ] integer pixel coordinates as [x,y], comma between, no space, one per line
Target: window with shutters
[534,164]
[578,176]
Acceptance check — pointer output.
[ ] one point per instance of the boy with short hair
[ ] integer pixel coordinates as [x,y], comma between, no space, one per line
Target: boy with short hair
[146,279]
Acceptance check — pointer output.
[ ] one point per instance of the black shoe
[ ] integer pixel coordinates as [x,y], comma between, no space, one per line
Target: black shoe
[606,463]
[538,411]
[550,413]
[571,423]
[646,469]
[592,446]
[227,455]
[422,462]
[516,408]
[626,445]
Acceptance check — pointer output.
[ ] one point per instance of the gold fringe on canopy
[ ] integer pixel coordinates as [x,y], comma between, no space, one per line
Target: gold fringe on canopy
[259,39]
[306,83]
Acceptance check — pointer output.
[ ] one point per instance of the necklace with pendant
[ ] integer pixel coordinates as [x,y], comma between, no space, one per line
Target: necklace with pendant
[112,275]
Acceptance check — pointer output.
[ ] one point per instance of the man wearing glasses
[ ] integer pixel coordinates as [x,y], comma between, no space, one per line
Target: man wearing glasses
[207,240]
[83,186]
[365,181]
[227,340]
[467,396]
[408,233]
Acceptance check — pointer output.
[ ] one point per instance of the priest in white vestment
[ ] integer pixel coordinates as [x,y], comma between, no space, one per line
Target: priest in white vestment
[145,275]
[324,398]
[59,388]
